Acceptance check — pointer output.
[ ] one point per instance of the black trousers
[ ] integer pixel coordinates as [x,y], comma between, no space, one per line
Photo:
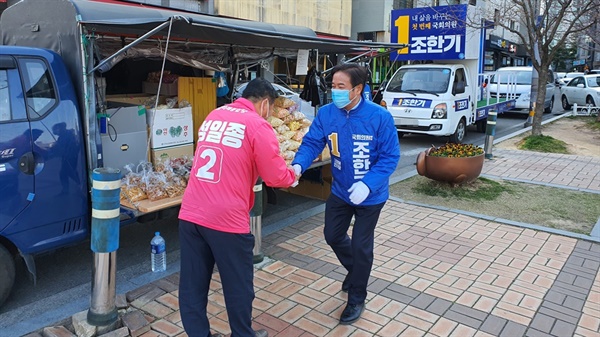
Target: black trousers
[355,254]
[201,248]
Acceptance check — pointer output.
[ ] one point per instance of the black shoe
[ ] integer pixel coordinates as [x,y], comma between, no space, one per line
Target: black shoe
[352,313]
[346,284]
[261,333]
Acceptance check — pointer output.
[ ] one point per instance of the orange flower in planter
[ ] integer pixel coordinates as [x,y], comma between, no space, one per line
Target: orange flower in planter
[452,150]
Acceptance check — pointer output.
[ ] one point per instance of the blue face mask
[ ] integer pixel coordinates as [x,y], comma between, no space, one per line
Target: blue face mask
[341,97]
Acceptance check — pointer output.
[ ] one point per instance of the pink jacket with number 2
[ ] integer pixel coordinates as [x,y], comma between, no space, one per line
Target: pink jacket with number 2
[235,146]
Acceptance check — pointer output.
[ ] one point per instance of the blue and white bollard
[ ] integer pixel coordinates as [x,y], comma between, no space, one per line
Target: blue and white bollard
[490,131]
[106,187]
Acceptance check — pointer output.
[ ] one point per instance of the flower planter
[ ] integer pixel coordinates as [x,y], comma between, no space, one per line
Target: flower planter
[454,170]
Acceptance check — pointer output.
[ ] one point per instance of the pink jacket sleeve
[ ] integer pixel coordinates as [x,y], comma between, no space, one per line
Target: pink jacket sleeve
[270,165]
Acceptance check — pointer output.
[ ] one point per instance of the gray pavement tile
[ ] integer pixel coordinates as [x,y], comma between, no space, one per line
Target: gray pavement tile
[463,319]
[439,306]
[404,290]
[493,325]
[542,323]
[378,285]
[513,329]
[575,261]
[567,289]
[586,254]
[567,311]
[562,328]
[578,270]
[573,303]
[463,309]
[423,301]
[557,315]
[555,297]
[584,282]
[591,264]
[568,278]
[402,298]
[535,333]
[325,269]
[585,245]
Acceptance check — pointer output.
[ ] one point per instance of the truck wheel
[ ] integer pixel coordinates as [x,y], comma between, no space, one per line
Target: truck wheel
[459,134]
[7,270]
[551,107]
[565,103]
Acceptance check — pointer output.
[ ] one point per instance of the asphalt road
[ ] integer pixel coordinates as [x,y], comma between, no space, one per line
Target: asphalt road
[64,276]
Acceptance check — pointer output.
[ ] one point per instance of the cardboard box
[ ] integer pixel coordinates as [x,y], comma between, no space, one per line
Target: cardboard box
[161,155]
[170,127]
[167,89]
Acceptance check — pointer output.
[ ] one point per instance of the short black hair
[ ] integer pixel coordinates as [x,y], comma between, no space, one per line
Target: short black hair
[259,89]
[358,74]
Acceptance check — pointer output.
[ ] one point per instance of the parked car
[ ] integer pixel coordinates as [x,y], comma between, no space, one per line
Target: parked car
[582,90]
[519,79]
[305,106]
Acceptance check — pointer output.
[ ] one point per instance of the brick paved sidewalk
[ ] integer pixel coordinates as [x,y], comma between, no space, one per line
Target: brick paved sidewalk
[436,273]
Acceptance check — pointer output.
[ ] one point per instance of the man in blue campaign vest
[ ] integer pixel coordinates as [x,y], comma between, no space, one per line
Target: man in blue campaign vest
[364,147]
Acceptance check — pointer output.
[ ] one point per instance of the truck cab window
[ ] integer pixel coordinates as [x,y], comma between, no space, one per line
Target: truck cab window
[39,87]
[5,114]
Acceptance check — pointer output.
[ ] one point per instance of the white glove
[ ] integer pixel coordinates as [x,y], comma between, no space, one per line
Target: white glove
[358,192]
[294,184]
[297,169]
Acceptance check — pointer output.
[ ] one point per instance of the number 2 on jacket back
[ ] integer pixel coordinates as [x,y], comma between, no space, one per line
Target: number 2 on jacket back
[210,171]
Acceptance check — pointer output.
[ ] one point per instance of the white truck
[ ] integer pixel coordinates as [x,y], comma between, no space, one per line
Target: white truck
[443,93]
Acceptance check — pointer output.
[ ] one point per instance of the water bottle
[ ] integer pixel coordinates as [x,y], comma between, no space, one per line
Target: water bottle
[158,256]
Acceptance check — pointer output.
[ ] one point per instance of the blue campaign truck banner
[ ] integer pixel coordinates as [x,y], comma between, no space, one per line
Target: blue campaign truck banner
[432,33]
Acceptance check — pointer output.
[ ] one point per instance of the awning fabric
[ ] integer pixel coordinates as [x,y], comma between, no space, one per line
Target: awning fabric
[107,16]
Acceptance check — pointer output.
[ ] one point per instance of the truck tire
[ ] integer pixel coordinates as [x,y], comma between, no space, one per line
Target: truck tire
[7,273]
[460,133]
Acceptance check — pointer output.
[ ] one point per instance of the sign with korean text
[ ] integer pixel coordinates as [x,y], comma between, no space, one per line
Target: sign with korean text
[432,33]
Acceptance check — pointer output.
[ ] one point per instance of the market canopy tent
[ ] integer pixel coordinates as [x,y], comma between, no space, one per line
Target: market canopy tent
[121,18]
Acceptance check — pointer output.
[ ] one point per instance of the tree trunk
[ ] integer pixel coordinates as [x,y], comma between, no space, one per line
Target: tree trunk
[536,127]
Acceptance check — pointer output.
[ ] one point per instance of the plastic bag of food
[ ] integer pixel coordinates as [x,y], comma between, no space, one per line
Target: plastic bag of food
[305,122]
[282,129]
[288,134]
[283,146]
[298,136]
[280,112]
[154,185]
[294,125]
[293,145]
[131,186]
[298,115]
[288,155]
[284,102]
[274,121]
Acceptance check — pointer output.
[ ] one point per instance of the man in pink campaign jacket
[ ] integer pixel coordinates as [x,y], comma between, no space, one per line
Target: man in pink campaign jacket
[235,146]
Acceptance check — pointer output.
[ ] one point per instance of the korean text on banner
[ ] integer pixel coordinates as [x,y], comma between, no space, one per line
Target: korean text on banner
[432,33]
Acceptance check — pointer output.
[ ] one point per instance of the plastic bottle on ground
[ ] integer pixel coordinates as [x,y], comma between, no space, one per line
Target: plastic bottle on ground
[158,255]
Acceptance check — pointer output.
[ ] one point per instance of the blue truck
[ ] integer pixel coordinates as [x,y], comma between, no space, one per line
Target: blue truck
[60,60]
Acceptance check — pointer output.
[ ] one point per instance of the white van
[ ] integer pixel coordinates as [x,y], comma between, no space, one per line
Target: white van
[519,81]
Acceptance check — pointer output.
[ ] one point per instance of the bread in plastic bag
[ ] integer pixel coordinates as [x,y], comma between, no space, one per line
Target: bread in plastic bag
[288,134]
[280,112]
[282,129]
[298,115]
[293,145]
[294,125]
[274,121]
[284,102]
[298,136]
[289,155]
